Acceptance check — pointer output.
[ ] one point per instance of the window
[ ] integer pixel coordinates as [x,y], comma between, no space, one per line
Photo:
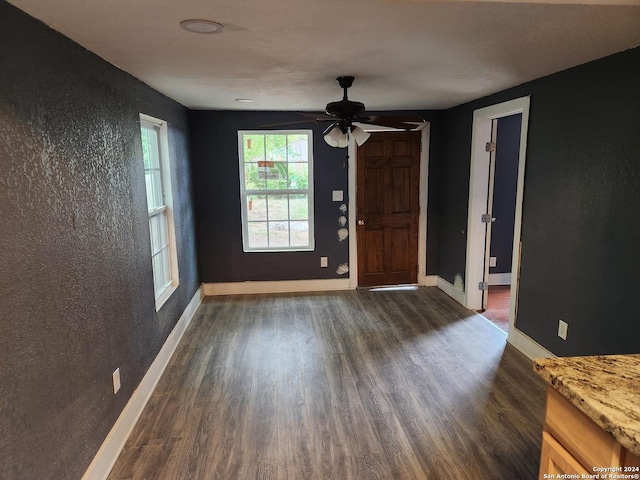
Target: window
[164,258]
[276,186]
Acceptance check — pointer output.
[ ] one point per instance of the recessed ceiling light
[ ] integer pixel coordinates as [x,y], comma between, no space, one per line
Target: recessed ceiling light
[202,26]
[244,100]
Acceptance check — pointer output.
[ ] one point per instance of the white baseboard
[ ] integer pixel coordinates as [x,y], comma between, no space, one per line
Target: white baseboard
[450,290]
[286,286]
[500,278]
[527,345]
[112,446]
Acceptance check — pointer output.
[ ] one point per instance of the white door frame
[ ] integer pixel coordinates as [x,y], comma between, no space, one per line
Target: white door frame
[489,211]
[478,191]
[422,219]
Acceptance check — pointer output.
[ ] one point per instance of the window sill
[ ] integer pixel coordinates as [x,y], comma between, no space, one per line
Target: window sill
[278,250]
[165,295]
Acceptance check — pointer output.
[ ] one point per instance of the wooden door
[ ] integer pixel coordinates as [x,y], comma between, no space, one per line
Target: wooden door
[387,202]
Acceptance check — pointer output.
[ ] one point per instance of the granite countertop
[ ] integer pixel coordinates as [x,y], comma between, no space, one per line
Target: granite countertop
[606,388]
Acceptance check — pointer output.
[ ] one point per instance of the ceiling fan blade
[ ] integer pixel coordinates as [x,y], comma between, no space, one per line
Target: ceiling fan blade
[284,124]
[317,116]
[398,118]
[389,123]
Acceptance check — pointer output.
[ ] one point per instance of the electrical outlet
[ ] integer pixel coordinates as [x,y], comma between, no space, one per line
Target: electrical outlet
[116,380]
[492,261]
[324,262]
[562,329]
[337,195]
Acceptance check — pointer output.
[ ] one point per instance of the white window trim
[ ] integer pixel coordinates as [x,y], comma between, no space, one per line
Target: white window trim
[310,191]
[165,176]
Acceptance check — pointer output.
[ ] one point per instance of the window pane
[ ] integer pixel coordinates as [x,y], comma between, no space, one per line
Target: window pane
[257,234]
[299,176]
[253,148]
[163,239]
[276,148]
[166,267]
[153,234]
[278,207]
[276,175]
[148,179]
[299,234]
[256,207]
[158,274]
[298,207]
[154,189]
[251,180]
[157,188]
[278,234]
[298,148]
[277,184]
[146,155]
[150,147]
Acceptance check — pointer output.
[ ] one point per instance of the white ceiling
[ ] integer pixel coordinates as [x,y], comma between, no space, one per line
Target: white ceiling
[285,54]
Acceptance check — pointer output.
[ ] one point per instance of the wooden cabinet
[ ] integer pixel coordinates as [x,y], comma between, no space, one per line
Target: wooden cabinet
[573,444]
[554,459]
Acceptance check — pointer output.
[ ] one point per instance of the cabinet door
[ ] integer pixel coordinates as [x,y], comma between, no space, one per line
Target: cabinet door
[554,459]
[578,434]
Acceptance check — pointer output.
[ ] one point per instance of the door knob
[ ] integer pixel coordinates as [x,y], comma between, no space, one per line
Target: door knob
[361,222]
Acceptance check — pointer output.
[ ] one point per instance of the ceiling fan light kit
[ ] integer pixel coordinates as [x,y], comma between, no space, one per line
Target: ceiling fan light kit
[335,138]
[359,135]
[344,113]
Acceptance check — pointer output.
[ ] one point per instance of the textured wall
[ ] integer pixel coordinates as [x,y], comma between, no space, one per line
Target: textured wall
[504,191]
[76,290]
[217,187]
[451,172]
[580,228]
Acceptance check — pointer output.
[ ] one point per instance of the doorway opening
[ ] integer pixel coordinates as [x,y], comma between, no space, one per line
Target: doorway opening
[484,265]
[501,208]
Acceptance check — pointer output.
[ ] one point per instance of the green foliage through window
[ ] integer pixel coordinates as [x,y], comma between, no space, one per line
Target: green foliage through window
[276,180]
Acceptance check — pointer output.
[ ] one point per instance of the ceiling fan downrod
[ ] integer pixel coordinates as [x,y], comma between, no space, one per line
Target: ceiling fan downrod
[345,82]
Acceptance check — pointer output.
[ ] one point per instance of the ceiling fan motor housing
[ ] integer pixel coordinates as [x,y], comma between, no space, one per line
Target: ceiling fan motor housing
[345,109]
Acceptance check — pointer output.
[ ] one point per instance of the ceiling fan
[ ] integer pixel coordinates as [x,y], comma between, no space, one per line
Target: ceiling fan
[344,113]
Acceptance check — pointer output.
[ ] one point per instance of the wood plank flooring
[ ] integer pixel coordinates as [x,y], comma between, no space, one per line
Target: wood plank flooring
[497,310]
[340,385]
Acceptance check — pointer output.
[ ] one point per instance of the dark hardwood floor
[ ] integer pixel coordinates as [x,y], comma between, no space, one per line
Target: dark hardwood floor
[341,385]
[497,310]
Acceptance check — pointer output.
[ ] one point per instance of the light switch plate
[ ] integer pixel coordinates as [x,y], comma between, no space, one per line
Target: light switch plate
[562,329]
[116,380]
[337,196]
[492,261]
[324,262]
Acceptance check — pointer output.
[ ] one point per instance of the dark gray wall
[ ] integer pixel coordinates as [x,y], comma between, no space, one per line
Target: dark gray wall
[451,175]
[76,290]
[217,189]
[504,191]
[434,191]
[580,231]
[214,137]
